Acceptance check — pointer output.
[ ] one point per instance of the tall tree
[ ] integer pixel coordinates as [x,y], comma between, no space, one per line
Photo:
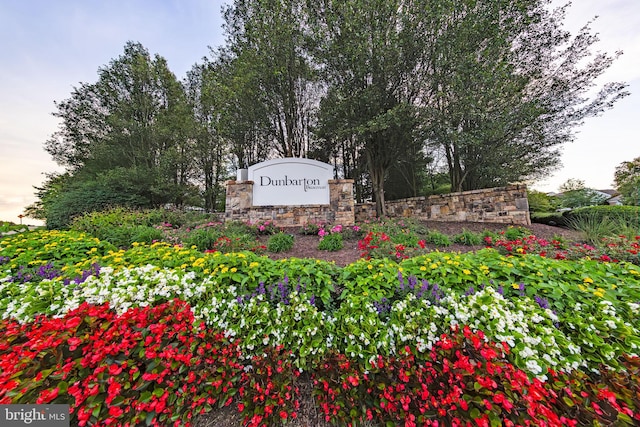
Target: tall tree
[209,148]
[128,130]
[266,39]
[508,87]
[366,50]
[627,180]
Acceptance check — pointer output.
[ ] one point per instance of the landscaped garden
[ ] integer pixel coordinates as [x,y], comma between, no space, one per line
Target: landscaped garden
[157,318]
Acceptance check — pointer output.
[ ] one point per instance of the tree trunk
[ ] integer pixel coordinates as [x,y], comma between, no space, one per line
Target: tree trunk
[377,181]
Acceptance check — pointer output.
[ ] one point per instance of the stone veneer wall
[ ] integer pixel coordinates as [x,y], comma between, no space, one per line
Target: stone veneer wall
[340,210]
[506,205]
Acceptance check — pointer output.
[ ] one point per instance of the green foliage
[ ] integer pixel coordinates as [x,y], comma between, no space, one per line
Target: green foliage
[437,238]
[548,218]
[514,233]
[280,242]
[6,226]
[627,179]
[331,242]
[265,228]
[619,214]
[541,202]
[203,238]
[468,238]
[592,227]
[77,198]
[311,229]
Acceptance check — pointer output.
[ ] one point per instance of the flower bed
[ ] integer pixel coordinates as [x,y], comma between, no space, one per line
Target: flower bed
[159,333]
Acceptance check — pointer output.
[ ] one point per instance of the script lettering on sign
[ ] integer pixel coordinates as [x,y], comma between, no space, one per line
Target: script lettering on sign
[290,182]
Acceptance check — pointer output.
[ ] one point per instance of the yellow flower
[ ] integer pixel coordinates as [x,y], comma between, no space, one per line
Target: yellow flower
[369,266]
[423,268]
[582,288]
[254,264]
[599,292]
[515,286]
[520,250]
[465,271]
[434,266]
[588,280]
[225,269]
[233,270]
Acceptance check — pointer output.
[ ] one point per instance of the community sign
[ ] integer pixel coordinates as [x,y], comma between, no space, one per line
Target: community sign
[290,182]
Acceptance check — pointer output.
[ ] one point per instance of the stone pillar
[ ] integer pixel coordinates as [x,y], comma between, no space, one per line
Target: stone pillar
[239,200]
[341,201]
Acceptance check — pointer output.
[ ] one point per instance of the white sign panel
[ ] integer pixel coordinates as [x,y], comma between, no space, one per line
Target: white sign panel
[291,182]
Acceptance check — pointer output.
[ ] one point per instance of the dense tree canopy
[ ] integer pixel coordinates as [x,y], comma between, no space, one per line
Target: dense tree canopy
[392,92]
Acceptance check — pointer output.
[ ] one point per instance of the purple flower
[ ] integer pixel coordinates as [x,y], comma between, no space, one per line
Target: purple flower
[542,302]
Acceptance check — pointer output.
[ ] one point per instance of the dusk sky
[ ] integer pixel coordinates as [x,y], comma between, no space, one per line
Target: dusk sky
[48,47]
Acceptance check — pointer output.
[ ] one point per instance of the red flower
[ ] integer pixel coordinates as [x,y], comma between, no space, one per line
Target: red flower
[114,369]
[73,322]
[115,411]
[47,396]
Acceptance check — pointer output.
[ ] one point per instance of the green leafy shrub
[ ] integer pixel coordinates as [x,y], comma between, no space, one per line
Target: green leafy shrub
[280,242]
[265,228]
[146,234]
[311,229]
[617,214]
[203,238]
[548,218]
[515,233]
[468,238]
[437,238]
[331,242]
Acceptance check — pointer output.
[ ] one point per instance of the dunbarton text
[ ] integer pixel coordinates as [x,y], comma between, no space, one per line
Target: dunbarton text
[308,184]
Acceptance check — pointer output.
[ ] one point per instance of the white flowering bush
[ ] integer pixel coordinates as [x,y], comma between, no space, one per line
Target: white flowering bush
[293,322]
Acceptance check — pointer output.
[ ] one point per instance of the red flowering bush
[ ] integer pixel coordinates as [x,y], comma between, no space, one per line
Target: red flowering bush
[622,248]
[378,244]
[611,249]
[151,365]
[463,380]
[607,398]
[269,394]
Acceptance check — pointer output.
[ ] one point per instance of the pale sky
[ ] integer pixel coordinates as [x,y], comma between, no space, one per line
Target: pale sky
[48,47]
